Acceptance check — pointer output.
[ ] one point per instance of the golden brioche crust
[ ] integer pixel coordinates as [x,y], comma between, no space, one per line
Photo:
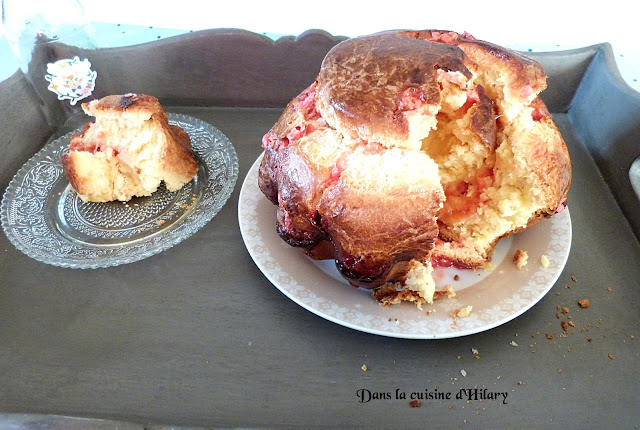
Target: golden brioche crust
[379,69]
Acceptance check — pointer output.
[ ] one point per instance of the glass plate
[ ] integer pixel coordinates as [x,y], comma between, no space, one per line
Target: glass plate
[45,219]
[497,296]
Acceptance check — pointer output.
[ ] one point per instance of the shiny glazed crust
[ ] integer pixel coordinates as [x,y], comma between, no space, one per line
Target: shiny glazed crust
[362,80]
[426,146]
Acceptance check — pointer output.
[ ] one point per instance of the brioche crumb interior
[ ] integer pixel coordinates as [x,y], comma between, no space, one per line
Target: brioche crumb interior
[488,194]
[120,152]
[419,279]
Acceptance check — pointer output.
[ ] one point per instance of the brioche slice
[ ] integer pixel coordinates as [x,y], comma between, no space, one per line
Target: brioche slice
[127,151]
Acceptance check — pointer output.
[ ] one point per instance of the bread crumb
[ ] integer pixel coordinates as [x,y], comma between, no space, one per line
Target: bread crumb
[415,403]
[520,258]
[611,356]
[544,260]
[584,303]
[456,277]
[364,367]
[463,373]
[462,313]
[574,279]
[549,336]
[565,326]
[488,267]
[474,351]
[447,291]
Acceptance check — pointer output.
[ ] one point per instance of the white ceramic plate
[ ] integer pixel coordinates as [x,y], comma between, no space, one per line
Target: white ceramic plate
[45,219]
[497,296]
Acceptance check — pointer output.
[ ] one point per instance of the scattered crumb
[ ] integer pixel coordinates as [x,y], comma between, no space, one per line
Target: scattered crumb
[462,313]
[611,356]
[456,277]
[584,303]
[544,260]
[559,370]
[474,351]
[512,343]
[450,405]
[520,258]
[549,336]
[574,279]
[565,310]
[609,289]
[589,340]
[565,326]
[364,367]
[488,267]
[463,373]
[520,383]
[572,324]
[415,403]
[447,291]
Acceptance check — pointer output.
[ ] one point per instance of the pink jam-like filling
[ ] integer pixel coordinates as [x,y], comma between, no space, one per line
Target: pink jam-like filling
[410,99]
[526,92]
[449,36]
[95,145]
[305,104]
[537,115]
[472,98]
[441,261]
[464,198]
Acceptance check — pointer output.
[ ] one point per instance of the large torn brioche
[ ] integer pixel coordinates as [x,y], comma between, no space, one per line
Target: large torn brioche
[413,148]
[128,151]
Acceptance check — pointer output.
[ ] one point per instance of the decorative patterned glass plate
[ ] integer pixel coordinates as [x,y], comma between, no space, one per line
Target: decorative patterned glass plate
[45,219]
[497,296]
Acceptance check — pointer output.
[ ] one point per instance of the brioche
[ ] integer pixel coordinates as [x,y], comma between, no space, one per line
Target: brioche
[127,151]
[414,149]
